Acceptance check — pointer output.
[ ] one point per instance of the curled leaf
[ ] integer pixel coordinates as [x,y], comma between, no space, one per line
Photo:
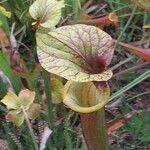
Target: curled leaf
[79,52]
[113,17]
[85,97]
[57,90]
[47,13]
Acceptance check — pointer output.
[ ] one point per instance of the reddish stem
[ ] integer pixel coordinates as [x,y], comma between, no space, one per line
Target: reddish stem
[94,130]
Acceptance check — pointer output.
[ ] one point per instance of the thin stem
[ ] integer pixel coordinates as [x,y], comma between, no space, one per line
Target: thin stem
[30,128]
[139,95]
[122,63]
[67,136]
[131,69]
[139,79]
[47,83]
[125,27]
[50,114]
[94,130]
[144,31]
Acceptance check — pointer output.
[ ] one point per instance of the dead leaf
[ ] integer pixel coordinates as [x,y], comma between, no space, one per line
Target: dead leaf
[117,123]
[3,39]
[147,26]
[47,132]
[3,145]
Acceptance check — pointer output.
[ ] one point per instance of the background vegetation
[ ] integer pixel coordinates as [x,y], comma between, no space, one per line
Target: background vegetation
[130,110]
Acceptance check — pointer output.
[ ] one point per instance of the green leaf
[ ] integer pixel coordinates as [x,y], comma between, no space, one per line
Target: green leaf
[79,52]
[25,99]
[46,12]
[86,97]
[5,67]
[4,23]
[15,117]
[12,101]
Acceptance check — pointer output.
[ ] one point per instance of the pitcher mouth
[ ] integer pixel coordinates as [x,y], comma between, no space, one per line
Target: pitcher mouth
[81,101]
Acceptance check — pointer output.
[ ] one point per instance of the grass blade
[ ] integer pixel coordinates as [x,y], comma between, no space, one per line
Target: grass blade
[5,67]
[130,85]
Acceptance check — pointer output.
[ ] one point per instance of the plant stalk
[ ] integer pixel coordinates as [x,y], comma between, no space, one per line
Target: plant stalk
[30,128]
[50,116]
[94,130]
[125,27]
[134,68]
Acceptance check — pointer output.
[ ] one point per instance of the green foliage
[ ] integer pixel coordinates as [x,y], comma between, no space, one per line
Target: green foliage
[16,105]
[20,10]
[4,23]
[72,10]
[3,90]
[8,131]
[139,128]
[6,68]
[67,134]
